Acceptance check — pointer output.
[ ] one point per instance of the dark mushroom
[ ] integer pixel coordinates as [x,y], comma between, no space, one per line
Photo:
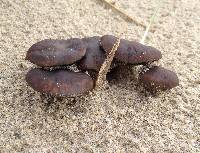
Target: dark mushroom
[59,82]
[52,52]
[130,51]
[94,56]
[158,78]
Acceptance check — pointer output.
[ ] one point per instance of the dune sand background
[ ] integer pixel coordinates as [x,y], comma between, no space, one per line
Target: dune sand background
[119,118]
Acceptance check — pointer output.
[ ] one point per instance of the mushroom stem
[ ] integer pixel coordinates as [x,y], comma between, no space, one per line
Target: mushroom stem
[106,64]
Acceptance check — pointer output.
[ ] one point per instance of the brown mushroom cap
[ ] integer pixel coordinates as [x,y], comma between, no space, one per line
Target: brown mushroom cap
[158,78]
[59,82]
[94,56]
[131,52]
[52,52]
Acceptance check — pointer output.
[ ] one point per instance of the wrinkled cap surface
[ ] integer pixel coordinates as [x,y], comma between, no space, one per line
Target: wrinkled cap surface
[59,82]
[158,78]
[52,52]
[130,51]
[94,56]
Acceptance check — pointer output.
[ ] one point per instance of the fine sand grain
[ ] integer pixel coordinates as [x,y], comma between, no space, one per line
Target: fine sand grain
[121,117]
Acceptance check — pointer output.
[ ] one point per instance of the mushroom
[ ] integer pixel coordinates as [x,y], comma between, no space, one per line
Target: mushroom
[94,56]
[59,82]
[52,52]
[88,54]
[158,78]
[130,51]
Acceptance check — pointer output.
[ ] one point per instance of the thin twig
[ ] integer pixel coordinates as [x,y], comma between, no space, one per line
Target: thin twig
[106,65]
[124,14]
[196,82]
[150,23]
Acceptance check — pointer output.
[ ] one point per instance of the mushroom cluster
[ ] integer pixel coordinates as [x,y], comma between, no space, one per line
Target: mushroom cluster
[88,55]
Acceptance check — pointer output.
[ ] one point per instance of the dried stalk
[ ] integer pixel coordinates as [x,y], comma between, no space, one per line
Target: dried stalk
[124,14]
[150,23]
[106,65]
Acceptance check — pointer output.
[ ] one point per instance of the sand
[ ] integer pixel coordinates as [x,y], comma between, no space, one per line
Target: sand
[121,117]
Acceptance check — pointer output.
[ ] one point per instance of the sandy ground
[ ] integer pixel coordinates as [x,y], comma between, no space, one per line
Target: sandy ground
[119,118]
